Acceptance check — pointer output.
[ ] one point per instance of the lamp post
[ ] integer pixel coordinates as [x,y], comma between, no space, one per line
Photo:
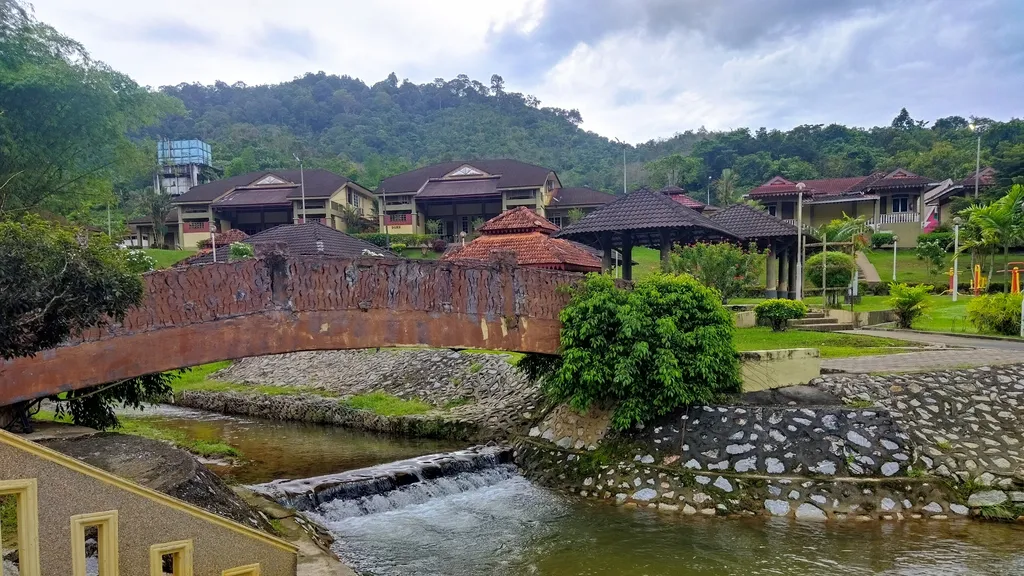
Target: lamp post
[956,256]
[800,241]
[709,190]
[895,239]
[302,187]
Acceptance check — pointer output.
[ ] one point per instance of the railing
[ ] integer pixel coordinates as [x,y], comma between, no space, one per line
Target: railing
[399,219]
[899,218]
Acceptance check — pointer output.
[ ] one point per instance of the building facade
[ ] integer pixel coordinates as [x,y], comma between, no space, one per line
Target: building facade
[258,201]
[461,195]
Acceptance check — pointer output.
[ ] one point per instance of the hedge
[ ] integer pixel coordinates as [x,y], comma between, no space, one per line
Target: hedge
[381,239]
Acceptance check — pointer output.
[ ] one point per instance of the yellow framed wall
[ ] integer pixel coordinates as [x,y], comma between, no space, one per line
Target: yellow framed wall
[250,570]
[27,493]
[183,552]
[106,540]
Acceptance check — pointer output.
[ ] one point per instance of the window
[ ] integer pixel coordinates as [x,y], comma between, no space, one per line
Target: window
[772,208]
[465,224]
[105,525]
[174,558]
[788,210]
[522,195]
[900,204]
[550,185]
[197,225]
[250,570]
[23,496]
[557,221]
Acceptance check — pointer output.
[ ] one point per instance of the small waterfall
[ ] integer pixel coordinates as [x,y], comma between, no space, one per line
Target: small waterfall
[366,489]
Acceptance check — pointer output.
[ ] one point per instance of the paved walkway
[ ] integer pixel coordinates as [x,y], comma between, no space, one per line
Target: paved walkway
[867,269]
[972,352]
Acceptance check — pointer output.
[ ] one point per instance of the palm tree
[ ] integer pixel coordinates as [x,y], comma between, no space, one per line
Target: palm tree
[1000,225]
[725,188]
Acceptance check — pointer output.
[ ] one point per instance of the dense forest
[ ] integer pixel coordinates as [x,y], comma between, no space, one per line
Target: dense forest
[373,131]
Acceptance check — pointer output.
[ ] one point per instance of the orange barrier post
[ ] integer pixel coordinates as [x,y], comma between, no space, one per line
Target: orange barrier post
[1015,281]
[976,280]
[952,286]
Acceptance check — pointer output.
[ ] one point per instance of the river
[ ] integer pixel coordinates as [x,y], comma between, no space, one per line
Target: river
[496,522]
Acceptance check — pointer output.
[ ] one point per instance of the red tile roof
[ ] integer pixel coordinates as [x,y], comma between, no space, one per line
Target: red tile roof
[520,219]
[679,195]
[535,249]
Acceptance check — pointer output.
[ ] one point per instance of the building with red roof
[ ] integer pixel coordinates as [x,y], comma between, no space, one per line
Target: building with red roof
[528,235]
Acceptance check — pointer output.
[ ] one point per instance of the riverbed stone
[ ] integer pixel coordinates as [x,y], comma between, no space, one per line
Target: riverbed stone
[810,512]
[986,498]
[777,507]
[722,484]
[959,509]
[645,495]
[933,508]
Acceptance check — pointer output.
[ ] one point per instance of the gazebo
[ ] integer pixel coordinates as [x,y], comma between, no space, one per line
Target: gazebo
[771,233]
[643,218]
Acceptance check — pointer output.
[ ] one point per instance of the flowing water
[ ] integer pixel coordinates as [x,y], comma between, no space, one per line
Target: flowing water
[495,522]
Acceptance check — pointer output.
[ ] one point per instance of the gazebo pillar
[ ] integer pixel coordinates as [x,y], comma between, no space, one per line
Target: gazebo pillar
[794,254]
[606,251]
[627,255]
[666,248]
[784,274]
[771,289]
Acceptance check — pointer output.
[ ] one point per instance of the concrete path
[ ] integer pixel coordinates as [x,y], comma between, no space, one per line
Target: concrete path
[867,269]
[962,353]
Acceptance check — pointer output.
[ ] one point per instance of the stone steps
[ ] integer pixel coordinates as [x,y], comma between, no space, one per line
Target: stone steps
[813,320]
[832,326]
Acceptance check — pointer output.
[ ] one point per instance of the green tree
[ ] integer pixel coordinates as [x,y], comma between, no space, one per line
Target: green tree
[1001,224]
[933,254]
[725,267]
[726,188]
[645,351]
[156,206]
[830,271]
[908,302]
[575,215]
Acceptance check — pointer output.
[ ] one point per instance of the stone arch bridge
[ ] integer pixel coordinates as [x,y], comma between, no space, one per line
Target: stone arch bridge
[275,304]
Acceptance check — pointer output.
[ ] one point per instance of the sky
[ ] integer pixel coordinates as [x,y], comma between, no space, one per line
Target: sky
[635,69]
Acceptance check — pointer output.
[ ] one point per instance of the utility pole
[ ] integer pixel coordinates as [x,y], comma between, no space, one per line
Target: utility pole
[302,186]
[956,256]
[799,241]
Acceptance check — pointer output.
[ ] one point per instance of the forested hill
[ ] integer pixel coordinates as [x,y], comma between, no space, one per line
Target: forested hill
[370,132]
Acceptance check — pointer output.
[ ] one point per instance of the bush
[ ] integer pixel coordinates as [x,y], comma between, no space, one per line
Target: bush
[943,239]
[722,266]
[438,245]
[776,313]
[838,268]
[932,253]
[397,246]
[908,302]
[879,239]
[381,239]
[241,251]
[138,261]
[996,313]
[664,344]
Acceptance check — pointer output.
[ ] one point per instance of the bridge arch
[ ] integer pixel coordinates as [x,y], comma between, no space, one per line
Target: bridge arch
[275,304]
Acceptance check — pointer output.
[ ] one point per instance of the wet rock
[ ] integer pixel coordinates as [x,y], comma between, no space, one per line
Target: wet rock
[810,512]
[777,507]
[986,498]
[644,495]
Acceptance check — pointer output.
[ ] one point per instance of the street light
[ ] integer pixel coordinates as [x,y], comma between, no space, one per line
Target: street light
[977,158]
[302,186]
[895,239]
[956,255]
[709,190]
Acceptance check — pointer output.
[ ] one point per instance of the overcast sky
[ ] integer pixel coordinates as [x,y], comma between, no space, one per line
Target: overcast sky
[636,69]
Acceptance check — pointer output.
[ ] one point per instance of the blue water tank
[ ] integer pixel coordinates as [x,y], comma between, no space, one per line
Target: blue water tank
[179,152]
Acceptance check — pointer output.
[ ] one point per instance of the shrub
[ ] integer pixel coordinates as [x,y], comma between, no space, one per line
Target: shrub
[776,313]
[838,269]
[943,239]
[723,266]
[664,344]
[375,238]
[138,261]
[908,302]
[434,226]
[241,251]
[397,246]
[438,245]
[879,239]
[381,239]
[932,253]
[996,313]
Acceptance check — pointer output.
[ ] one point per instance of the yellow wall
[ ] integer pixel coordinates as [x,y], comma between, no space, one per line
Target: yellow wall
[189,240]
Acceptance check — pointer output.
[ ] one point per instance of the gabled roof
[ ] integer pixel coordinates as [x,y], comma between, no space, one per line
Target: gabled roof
[900,178]
[678,194]
[531,249]
[643,210]
[520,219]
[309,239]
[460,188]
[256,197]
[986,177]
[580,196]
[753,224]
[319,184]
[512,173]
[779,186]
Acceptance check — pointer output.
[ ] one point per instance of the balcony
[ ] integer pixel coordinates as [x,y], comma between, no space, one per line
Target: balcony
[398,220]
[899,218]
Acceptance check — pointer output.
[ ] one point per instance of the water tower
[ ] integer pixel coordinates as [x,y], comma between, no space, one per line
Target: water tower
[181,165]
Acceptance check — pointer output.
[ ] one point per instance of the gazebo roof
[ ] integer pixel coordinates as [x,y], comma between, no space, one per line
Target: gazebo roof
[520,219]
[753,224]
[644,213]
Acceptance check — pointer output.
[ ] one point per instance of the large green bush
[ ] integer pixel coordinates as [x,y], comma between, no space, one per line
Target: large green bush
[996,313]
[908,302]
[722,266]
[880,239]
[381,239]
[665,343]
[838,271]
[776,313]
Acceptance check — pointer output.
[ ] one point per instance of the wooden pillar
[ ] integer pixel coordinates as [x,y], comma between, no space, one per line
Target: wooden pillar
[666,248]
[606,251]
[794,255]
[784,273]
[771,288]
[627,255]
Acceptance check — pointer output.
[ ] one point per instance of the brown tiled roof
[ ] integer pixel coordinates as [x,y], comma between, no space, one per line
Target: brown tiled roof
[580,196]
[678,194]
[514,174]
[309,239]
[752,224]
[643,210]
[459,188]
[171,218]
[900,178]
[256,197]
[986,177]
[319,184]
[779,186]
[535,249]
[520,219]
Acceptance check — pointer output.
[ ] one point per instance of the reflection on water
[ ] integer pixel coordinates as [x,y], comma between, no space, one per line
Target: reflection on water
[275,449]
[515,528]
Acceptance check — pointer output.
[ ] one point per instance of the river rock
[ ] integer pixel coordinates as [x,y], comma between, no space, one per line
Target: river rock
[986,498]
[645,495]
[810,512]
[777,507]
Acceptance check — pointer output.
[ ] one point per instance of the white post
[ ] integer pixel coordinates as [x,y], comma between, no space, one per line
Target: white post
[894,241]
[302,187]
[1022,319]
[799,288]
[956,260]
[213,243]
[824,270]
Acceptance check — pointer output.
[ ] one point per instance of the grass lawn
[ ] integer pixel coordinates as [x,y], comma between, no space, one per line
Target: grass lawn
[944,315]
[829,344]
[387,405]
[198,379]
[417,254]
[167,258]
